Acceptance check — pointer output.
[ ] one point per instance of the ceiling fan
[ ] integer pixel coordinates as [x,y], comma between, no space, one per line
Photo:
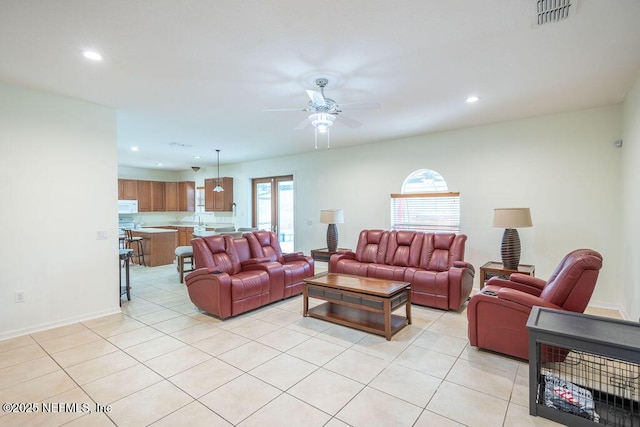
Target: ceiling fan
[324,110]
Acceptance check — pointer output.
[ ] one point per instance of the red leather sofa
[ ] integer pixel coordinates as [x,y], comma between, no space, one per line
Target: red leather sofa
[235,275]
[498,314]
[432,262]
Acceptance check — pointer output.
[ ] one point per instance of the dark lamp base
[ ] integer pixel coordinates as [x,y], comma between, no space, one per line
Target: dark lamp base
[511,248]
[332,238]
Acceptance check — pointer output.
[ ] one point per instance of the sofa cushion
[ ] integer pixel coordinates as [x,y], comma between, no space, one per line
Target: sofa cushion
[223,253]
[247,284]
[372,245]
[436,252]
[403,248]
[264,244]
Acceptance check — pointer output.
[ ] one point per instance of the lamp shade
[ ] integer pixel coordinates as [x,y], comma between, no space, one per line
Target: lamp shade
[512,218]
[331,216]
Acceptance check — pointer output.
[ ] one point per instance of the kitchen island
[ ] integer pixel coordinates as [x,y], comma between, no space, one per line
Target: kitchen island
[159,245]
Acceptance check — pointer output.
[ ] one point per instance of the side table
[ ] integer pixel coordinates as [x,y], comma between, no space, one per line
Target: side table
[494,268]
[323,254]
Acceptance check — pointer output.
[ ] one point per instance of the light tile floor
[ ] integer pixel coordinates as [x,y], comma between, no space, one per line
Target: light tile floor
[162,362]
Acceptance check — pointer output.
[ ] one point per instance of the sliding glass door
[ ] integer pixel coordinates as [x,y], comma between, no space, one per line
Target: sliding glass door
[273,207]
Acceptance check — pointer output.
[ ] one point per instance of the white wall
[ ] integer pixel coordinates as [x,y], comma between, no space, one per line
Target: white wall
[58,172]
[630,246]
[564,167]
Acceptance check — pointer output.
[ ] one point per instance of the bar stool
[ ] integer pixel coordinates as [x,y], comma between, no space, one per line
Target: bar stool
[138,252]
[182,253]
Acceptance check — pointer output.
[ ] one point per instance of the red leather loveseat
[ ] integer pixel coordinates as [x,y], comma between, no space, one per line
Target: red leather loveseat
[431,262]
[235,275]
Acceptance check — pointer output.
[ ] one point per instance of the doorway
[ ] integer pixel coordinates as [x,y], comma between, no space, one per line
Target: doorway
[273,208]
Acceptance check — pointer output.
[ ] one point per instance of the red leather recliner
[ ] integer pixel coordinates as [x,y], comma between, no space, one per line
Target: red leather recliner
[224,284]
[297,266]
[498,313]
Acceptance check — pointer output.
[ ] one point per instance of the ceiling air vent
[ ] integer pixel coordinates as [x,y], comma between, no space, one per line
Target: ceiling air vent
[548,11]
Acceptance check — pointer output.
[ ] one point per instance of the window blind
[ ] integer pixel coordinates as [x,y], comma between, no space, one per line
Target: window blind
[437,212]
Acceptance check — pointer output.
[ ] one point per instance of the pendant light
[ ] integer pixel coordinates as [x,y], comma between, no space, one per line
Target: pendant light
[218,187]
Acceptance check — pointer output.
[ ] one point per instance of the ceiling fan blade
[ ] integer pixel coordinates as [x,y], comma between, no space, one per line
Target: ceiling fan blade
[348,121]
[316,97]
[303,124]
[282,109]
[362,105]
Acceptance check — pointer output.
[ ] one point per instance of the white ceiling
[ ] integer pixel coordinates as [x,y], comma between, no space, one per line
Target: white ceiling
[198,73]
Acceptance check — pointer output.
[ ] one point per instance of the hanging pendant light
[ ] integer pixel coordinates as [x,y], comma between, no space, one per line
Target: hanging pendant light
[218,188]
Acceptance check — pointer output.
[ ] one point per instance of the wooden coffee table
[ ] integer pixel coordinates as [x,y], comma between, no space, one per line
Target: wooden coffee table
[359,302]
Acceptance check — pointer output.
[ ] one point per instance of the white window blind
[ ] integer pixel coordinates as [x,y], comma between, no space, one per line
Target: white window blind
[437,212]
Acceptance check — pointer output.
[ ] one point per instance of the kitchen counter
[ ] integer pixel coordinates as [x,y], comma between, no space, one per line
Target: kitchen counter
[159,245]
[155,230]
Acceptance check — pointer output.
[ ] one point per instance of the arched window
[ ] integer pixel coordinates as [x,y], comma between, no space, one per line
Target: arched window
[425,204]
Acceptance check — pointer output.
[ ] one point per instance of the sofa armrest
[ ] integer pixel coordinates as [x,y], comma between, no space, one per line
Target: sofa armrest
[531,281]
[340,255]
[464,264]
[460,284]
[253,261]
[518,286]
[293,255]
[210,291]
[202,272]
[524,299]
[296,256]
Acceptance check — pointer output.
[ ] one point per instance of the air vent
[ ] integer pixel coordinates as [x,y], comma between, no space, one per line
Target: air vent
[548,11]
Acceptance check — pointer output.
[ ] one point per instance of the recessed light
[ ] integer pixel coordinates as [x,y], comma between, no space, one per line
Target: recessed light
[196,157]
[92,54]
[471,99]
[158,164]
[134,148]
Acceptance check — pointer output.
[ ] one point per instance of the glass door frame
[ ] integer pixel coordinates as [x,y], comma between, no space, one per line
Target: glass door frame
[273,181]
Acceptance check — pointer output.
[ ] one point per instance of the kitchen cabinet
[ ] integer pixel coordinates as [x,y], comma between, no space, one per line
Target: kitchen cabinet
[157,196]
[218,202]
[187,196]
[171,196]
[127,189]
[185,234]
[144,196]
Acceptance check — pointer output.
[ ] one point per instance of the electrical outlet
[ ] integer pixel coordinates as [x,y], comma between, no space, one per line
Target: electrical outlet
[19,296]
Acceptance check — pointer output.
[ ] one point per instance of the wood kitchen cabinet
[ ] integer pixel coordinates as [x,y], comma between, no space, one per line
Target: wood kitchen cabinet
[187,196]
[157,196]
[218,202]
[144,196]
[127,189]
[171,196]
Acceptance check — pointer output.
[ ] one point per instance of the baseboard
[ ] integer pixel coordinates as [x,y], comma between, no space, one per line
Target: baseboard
[51,325]
[610,306]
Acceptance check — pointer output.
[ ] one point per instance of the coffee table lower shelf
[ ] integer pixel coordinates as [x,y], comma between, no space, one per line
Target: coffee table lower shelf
[357,318]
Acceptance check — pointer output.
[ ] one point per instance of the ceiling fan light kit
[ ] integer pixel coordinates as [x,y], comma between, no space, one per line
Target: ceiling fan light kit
[325,111]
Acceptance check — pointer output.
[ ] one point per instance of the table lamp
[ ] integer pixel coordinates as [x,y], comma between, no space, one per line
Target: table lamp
[332,217]
[510,219]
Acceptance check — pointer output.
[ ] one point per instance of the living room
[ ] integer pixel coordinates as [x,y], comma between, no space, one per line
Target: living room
[59,180]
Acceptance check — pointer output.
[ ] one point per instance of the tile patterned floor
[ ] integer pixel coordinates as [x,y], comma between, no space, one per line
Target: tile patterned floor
[161,362]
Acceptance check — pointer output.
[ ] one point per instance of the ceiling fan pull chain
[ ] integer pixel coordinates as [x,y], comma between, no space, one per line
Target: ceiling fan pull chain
[316,137]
